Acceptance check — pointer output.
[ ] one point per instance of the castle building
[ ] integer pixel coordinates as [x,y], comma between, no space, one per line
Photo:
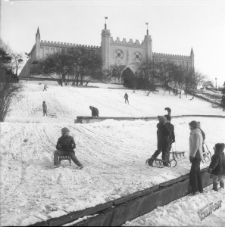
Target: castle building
[113,51]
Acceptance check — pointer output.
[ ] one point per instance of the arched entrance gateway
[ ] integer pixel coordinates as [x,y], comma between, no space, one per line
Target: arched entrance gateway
[128,78]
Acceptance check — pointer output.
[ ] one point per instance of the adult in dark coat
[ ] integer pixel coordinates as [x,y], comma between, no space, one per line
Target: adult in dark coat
[94,111]
[65,147]
[217,166]
[163,143]
[172,134]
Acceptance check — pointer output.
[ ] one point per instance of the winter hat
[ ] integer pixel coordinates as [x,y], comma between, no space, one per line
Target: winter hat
[162,119]
[64,130]
[168,117]
[168,110]
[219,147]
[194,124]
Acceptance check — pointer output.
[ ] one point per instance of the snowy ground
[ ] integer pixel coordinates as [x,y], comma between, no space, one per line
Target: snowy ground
[69,102]
[184,212]
[112,152]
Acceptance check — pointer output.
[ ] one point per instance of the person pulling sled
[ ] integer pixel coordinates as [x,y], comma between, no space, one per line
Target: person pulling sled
[163,142]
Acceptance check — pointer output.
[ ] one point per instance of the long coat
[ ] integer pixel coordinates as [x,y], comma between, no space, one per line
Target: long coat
[44,105]
[195,144]
[163,136]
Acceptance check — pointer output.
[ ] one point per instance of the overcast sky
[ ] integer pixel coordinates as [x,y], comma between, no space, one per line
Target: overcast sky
[175,26]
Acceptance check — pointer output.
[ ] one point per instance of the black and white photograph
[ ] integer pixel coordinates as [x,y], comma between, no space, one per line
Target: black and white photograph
[112,113]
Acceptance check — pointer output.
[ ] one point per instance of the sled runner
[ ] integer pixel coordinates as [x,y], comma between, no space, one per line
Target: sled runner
[61,158]
[178,154]
[206,154]
[159,163]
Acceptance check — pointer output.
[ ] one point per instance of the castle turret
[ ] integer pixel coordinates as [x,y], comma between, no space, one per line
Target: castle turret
[192,59]
[148,44]
[105,47]
[37,44]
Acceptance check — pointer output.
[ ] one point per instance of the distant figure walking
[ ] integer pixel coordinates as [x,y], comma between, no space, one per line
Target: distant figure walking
[223,102]
[45,87]
[45,109]
[126,98]
[94,111]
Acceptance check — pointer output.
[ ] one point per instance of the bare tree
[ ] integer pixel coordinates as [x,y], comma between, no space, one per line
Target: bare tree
[9,86]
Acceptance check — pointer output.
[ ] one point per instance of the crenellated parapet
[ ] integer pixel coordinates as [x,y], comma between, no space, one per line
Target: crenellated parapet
[65,45]
[161,55]
[124,42]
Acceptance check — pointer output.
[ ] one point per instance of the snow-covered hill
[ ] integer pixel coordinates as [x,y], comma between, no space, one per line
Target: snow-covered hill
[69,102]
[112,152]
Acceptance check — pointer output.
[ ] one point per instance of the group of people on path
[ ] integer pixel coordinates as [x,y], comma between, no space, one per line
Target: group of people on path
[165,139]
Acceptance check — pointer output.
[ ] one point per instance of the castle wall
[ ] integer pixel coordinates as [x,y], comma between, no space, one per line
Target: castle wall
[112,52]
[126,53]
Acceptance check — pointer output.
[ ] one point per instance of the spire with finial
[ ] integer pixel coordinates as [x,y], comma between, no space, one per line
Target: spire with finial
[38,32]
[192,52]
[105,23]
[147,27]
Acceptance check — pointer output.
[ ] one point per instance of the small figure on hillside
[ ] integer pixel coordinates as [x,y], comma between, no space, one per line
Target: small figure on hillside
[223,102]
[217,166]
[45,87]
[65,147]
[126,98]
[163,144]
[94,111]
[195,156]
[45,109]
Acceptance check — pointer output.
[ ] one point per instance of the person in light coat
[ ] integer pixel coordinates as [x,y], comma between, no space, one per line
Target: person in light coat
[195,156]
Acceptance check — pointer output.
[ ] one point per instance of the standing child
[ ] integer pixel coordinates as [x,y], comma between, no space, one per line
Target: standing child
[217,166]
[45,109]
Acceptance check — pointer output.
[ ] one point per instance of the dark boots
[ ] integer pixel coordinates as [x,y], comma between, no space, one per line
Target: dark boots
[215,186]
[222,184]
[150,161]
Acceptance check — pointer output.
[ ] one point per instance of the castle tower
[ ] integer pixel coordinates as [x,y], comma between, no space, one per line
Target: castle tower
[105,47]
[37,44]
[192,58]
[148,44]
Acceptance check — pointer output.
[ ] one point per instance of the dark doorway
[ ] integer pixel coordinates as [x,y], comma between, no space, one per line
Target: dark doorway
[128,78]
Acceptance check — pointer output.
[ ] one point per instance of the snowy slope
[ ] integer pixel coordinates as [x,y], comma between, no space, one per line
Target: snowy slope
[112,152]
[183,212]
[69,102]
